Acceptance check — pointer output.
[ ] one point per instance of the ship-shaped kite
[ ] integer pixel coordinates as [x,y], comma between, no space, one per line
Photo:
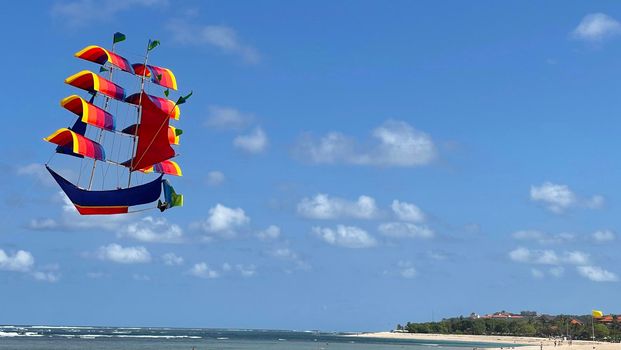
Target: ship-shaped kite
[141,146]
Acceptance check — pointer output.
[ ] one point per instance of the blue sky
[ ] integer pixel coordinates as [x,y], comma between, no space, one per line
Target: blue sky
[347,165]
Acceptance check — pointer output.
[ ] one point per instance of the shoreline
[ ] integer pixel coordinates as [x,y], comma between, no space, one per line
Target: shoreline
[525,343]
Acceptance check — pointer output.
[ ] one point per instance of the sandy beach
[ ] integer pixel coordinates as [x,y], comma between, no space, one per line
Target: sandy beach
[532,343]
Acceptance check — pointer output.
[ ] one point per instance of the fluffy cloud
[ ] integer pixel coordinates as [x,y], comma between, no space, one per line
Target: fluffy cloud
[579,259]
[597,274]
[397,144]
[558,198]
[604,236]
[537,273]
[407,269]
[171,259]
[284,253]
[23,261]
[203,270]
[151,229]
[215,178]
[596,27]
[270,233]
[405,230]
[548,257]
[542,237]
[255,142]
[124,255]
[556,271]
[223,221]
[20,261]
[555,197]
[246,270]
[345,236]
[37,171]
[83,12]
[227,118]
[322,206]
[70,219]
[595,202]
[222,37]
[407,211]
[46,276]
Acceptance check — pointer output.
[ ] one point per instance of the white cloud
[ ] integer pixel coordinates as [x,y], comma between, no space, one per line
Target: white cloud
[577,258]
[595,202]
[555,197]
[604,236]
[95,275]
[542,237]
[171,259]
[405,230]
[345,236]
[227,118]
[407,269]
[215,178]
[558,198]
[223,221]
[39,172]
[70,219]
[43,224]
[270,233]
[21,261]
[597,274]
[556,271]
[83,12]
[222,37]
[436,255]
[203,270]
[154,230]
[397,144]
[46,276]
[141,277]
[124,255]
[548,257]
[520,255]
[322,206]
[255,142]
[537,273]
[284,253]
[287,254]
[407,211]
[596,27]
[246,270]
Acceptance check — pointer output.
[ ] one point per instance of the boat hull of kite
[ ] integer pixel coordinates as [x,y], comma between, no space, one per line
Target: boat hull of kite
[111,201]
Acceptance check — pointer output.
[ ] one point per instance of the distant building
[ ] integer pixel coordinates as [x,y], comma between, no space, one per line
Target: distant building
[604,319]
[503,315]
[575,322]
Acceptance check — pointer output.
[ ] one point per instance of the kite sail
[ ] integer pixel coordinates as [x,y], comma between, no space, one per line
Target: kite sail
[129,133]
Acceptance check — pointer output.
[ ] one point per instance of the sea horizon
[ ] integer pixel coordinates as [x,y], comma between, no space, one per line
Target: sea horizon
[52,337]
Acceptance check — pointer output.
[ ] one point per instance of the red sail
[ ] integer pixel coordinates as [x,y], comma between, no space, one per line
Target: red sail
[153,145]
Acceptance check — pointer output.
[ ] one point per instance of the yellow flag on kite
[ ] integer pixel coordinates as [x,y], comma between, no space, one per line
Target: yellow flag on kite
[597,313]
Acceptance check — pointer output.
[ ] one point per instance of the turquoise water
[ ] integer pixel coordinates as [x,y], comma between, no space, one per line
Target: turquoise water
[108,338]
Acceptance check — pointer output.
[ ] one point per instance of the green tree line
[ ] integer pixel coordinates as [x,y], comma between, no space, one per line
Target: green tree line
[534,326]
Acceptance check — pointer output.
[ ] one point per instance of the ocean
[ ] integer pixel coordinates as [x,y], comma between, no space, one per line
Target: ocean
[119,338]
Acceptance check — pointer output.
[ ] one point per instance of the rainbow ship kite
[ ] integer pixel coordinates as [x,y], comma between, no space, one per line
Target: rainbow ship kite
[124,135]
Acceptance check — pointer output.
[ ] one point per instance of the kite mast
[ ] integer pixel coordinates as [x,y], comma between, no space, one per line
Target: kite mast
[151,45]
[115,39]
